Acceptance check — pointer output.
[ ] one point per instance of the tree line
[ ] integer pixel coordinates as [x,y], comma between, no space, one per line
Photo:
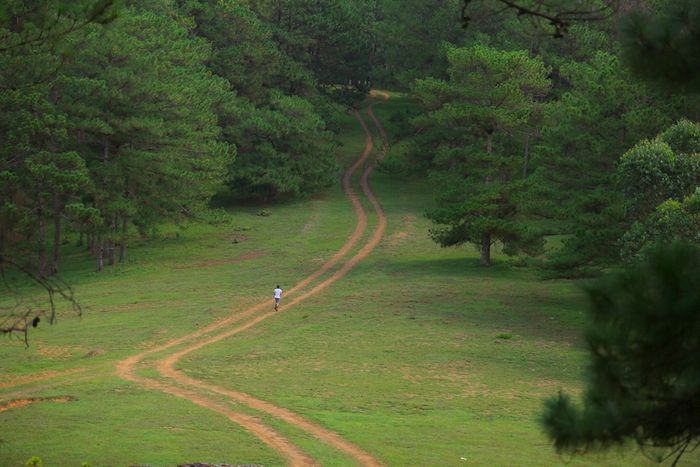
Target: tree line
[593,137]
[118,116]
[528,136]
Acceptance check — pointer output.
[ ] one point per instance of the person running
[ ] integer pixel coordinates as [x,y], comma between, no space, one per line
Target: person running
[278,297]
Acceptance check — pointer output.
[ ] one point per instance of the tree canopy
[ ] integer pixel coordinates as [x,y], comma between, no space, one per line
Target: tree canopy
[489,97]
[116,117]
[644,377]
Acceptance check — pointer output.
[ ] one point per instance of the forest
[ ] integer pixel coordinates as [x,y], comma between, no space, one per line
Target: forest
[543,141]
[106,130]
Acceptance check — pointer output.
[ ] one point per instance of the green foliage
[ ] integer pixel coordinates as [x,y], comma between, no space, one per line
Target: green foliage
[644,378]
[668,167]
[552,17]
[245,52]
[34,461]
[649,174]
[283,147]
[471,118]
[124,132]
[670,221]
[663,44]
[330,38]
[410,35]
[595,240]
[602,112]
[660,181]
[36,38]
[144,125]
[683,137]
[285,151]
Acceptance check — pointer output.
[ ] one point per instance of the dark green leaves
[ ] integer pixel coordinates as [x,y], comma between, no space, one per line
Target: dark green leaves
[644,379]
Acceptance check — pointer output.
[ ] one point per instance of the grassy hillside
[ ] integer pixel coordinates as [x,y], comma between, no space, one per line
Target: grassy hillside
[418,355]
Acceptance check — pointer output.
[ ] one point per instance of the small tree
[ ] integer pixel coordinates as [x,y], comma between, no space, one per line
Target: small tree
[55,178]
[672,220]
[644,377]
[667,167]
[660,181]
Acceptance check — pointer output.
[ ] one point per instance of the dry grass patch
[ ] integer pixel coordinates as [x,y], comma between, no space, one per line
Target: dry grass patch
[19,403]
[11,381]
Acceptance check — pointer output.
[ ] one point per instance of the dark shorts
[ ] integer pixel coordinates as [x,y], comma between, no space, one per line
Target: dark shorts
[277,300]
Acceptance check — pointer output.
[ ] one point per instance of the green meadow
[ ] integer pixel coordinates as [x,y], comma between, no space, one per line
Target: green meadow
[418,356]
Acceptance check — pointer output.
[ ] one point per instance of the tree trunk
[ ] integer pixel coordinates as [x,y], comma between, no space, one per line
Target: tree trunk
[110,252]
[122,244]
[91,243]
[42,242]
[96,244]
[56,234]
[489,150]
[100,255]
[527,155]
[485,259]
[81,238]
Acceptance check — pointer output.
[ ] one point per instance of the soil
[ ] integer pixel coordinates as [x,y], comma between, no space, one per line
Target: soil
[18,403]
[194,390]
[27,379]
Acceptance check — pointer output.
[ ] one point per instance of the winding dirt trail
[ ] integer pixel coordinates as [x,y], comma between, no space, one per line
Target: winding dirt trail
[190,388]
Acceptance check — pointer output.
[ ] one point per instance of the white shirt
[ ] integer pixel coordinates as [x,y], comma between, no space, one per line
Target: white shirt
[278,293]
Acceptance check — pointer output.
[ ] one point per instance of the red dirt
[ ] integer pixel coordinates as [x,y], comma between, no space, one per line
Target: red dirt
[21,380]
[18,403]
[254,315]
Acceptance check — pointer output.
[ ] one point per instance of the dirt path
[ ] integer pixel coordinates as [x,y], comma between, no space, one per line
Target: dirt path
[19,403]
[267,435]
[166,366]
[43,376]
[252,316]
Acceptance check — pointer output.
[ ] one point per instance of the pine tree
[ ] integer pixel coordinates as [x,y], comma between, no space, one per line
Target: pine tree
[489,95]
[602,112]
[644,377]
[143,103]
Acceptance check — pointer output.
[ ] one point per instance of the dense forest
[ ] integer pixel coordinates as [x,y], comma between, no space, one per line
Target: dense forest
[118,117]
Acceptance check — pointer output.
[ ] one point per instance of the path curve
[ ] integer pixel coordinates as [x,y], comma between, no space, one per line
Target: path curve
[166,366]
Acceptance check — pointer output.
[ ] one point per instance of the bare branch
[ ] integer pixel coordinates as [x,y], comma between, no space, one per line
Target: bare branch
[19,317]
[542,11]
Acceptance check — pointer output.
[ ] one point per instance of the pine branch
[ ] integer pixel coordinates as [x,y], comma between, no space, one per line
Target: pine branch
[20,323]
[559,20]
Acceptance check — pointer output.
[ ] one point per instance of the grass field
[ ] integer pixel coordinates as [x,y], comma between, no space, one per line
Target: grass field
[419,356]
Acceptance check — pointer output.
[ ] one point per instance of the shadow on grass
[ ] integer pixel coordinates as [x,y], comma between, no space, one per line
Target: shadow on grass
[466,267]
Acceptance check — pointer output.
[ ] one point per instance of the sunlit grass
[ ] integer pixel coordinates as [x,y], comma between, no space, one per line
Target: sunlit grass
[406,356]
